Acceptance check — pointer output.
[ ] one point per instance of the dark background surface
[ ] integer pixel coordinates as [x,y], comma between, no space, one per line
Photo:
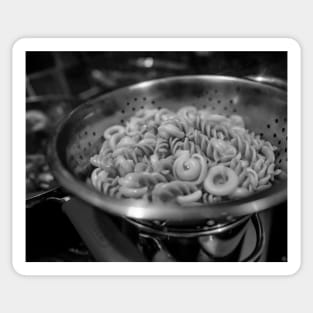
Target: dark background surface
[76,72]
[79,76]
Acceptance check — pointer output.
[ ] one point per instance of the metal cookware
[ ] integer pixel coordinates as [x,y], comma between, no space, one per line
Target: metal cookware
[263,107]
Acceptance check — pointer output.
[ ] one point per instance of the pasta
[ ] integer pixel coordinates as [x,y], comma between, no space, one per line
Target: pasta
[190,157]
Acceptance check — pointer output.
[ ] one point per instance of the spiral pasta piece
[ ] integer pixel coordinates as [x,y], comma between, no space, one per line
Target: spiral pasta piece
[162,147]
[191,168]
[163,115]
[175,145]
[103,162]
[210,198]
[136,180]
[113,130]
[191,198]
[188,114]
[168,191]
[103,183]
[160,165]
[145,147]
[240,192]
[221,181]
[125,141]
[170,130]
[133,192]
[124,166]
[146,114]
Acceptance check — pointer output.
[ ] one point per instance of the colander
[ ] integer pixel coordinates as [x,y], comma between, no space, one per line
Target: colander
[263,108]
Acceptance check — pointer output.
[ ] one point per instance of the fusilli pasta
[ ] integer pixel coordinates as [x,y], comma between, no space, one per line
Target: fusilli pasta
[190,157]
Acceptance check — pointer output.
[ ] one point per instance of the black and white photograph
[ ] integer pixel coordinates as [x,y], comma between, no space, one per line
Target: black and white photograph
[156,156]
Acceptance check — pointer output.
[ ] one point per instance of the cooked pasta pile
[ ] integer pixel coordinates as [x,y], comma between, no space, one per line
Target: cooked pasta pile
[190,157]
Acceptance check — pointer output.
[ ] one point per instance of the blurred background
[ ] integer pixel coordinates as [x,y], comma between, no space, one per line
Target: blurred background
[57,82]
[84,74]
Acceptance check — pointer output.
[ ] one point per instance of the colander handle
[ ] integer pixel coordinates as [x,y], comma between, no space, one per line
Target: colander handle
[54,194]
[269,80]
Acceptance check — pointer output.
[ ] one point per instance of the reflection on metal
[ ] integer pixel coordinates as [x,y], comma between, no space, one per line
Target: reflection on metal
[224,243]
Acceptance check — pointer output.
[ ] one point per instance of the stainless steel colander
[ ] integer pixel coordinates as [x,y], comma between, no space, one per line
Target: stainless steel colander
[263,107]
